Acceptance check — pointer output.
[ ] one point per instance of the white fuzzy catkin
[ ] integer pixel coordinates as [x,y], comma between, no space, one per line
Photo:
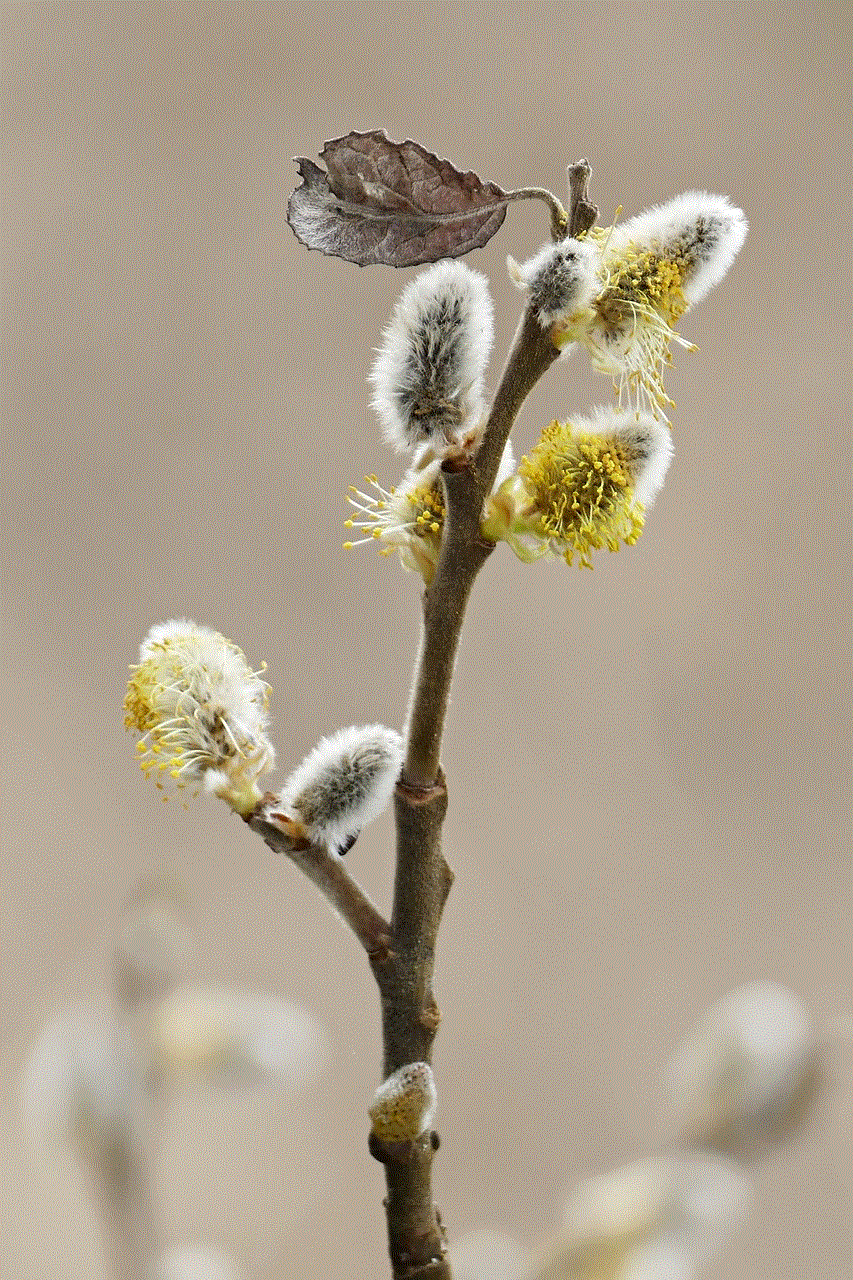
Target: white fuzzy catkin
[486,1255]
[428,374]
[561,278]
[410,517]
[238,1037]
[196,1262]
[740,1077]
[585,485]
[82,1084]
[658,1218]
[700,231]
[651,270]
[642,439]
[343,783]
[201,711]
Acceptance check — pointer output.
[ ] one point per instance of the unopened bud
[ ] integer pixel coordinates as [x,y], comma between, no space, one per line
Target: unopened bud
[561,279]
[404,1105]
[342,784]
[428,375]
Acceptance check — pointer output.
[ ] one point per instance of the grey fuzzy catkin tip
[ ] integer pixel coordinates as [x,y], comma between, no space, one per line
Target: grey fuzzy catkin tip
[700,231]
[560,278]
[428,373]
[343,783]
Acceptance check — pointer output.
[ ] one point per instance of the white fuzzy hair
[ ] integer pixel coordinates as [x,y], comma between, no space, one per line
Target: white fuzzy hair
[205,704]
[344,782]
[647,442]
[707,230]
[428,374]
[744,1061]
[81,1084]
[561,278]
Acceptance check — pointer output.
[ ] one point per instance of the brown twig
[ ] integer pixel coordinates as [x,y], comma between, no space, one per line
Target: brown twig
[582,214]
[121,1182]
[410,1014]
[120,1157]
[331,877]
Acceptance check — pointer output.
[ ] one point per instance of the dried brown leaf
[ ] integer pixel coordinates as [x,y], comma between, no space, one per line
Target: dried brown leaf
[388,202]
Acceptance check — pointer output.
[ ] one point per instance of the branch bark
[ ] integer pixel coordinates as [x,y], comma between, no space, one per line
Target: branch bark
[331,877]
[583,212]
[121,1182]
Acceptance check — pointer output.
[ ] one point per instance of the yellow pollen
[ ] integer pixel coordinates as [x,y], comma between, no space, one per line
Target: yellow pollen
[640,278]
[581,486]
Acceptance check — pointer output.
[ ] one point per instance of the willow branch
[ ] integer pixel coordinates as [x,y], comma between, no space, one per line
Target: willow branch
[410,1014]
[120,1158]
[464,552]
[328,873]
[410,1019]
[121,1183]
[583,213]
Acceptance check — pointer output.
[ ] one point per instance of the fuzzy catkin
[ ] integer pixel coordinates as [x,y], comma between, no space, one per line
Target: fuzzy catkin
[343,783]
[700,231]
[201,713]
[560,277]
[428,374]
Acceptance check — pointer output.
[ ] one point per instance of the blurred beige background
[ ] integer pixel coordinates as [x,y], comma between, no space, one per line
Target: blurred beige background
[648,764]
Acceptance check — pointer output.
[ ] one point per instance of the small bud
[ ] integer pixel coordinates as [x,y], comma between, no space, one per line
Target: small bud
[743,1078]
[410,518]
[561,279]
[585,485]
[201,711]
[404,1105]
[428,374]
[652,269]
[342,784]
